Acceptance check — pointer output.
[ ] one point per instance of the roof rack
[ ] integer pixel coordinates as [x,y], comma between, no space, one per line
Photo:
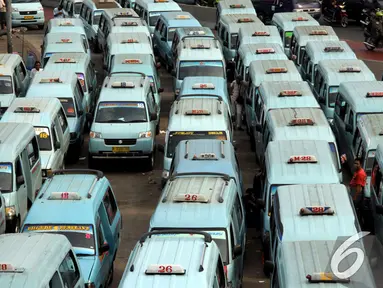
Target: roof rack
[186,149]
[207,238]
[220,199]
[174,176]
[167,193]
[97,173]
[222,149]
[219,106]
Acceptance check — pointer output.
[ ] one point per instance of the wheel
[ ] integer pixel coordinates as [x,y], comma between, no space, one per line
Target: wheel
[151,160]
[369,47]
[110,276]
[40,27]
[344,21]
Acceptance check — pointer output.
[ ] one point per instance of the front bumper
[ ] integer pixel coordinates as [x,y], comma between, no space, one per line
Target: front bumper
[25,19]
[142,148]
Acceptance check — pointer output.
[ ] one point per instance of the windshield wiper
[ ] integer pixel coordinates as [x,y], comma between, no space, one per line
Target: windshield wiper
[112,121]
[83,254]
[136,121]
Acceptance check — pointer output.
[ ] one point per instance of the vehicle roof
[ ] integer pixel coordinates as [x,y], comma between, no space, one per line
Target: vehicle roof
[270,90]
[67,25]
[81,62]
[224,7]
[231,21]
[138,93]
[171,19]
[52,38]
[292,198]
[187,53]
[113,13]
[248,52]
[14,137]
[63,90]
[173,214]
[354,93]
[220,86]
[181,122]
[38,253]
[116,47]
[185,251]
[183,32]
[8,62]
[118,64]
[278,121]
[302,34]
[48,107]
[332,75]
[371,129]
[119,22]
[285,20]
[258,71]
[245,34]
[279,171]
[152,6]
[184,162]
[303,258]
[316,50]
[82,211]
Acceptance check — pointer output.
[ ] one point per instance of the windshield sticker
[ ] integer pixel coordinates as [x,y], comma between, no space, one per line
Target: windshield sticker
[198,63]
[182,133]
[120,104]
[289,34]
[42,132]
[333,89]
[77,228]
[154,14]
[214,234]
[215,133]
[81,78]
[5,168]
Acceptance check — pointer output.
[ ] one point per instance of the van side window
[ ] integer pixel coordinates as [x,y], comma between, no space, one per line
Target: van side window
[79,91]
[19,170]
[55,281]
[16,84]
[238,210]
[69,271]
[351,119]
[340,107]
[232,241]
[110,205]
[33,152]
[357,140]
[318,81]
[258,107]
[100,234]
[219,273]
[62,120]
[21,71]
[55,136]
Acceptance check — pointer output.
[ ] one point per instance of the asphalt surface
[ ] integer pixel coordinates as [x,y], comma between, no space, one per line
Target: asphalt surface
[137,191]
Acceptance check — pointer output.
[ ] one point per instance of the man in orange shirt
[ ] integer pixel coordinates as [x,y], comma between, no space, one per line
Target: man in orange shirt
[358,182]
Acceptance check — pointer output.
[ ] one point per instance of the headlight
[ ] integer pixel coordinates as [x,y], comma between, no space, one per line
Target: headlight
[165,174]
[15,10]
[177,92]
[94,134]
[10,211]
[146,134]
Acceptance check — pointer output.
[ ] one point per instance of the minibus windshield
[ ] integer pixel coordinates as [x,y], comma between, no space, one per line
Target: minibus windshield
[5,177]
[201,68]
[121,112]
[6,85]
[44,138]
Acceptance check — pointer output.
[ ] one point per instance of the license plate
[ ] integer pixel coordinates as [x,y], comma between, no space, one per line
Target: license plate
[120,149]
[29,17]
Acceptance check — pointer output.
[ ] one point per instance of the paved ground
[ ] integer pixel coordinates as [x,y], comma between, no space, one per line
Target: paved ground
[137,191]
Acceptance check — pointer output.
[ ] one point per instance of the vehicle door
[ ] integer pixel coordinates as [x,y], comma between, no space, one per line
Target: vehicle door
[23,77]
[340,115]
[163,40]
[258,116]
[33,163]
[2,214]
[21,187]
[249,106]
[111,221]
[63,122]
[58,150]
[152,108]
[235,270]
[102,248]
[349,129]
[70,271]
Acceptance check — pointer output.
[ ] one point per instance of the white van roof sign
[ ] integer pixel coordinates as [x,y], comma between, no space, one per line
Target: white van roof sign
[316,210]
[8,268]
[64,196]
[165,269]
[302,159]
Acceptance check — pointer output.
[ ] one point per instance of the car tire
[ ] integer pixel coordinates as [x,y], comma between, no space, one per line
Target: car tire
[151,160]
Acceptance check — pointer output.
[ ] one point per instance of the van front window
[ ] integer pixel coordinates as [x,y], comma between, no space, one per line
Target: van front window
[273,190]
[201,68]
[121,112]
[96,17]
[6,85]
[288,36]
[177,136]
[68,106]
[370,162]
[81,79]
[332,93]
[233,39]
[80,236]
[44,138]
[153,17]
[5,177]
[77,7]
[171,33]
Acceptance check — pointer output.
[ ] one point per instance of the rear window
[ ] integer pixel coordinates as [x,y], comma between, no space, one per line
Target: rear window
[68,106]
[201,68]
[6,177]
[6,85]
[288,36]
[44,138]
[81,79]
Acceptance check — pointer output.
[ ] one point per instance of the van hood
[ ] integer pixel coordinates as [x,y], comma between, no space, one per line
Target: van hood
[86,264]
[27,6]
[6,99]
[120,130]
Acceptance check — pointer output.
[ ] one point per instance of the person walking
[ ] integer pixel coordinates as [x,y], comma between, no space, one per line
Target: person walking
[58,12]
[238,90]
[357,184]
[2,14]
[36,68]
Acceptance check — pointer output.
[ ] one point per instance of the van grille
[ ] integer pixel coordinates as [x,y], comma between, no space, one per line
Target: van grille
[28,12]
[120,141]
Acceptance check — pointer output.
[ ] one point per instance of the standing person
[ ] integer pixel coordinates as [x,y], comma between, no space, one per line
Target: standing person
[36,68]
[2,14]
[58,12]
[238,88]
[357,184]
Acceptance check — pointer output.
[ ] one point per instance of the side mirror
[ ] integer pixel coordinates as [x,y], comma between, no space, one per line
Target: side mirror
[379,209]
[260,204]
[348,128]
[160,90]
[80,113]
[89,117]
[237,251]
[20,180]
[268,267]
[163,39]
[104,248]
[153,116]
[57,145]
[321,100]
[161,148]
[249,102]
[173,73]
[258,127]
